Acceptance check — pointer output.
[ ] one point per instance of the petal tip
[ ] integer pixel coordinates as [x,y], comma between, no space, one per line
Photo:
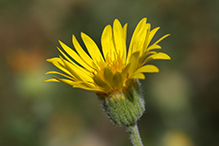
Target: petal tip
[48,60]
[59,41]
[83,34]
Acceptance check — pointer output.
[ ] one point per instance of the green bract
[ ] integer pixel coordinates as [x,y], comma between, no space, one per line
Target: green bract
[124,108]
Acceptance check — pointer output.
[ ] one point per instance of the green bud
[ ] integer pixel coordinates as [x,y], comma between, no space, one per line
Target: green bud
[126,107]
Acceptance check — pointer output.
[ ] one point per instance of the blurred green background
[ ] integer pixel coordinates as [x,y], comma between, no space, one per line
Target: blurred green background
[181,101]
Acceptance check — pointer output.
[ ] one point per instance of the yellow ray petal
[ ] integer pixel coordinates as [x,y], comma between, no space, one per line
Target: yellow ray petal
[162,38]
[147,36]
[144,57]
[125,37]
[92,49]
[137,29]
[151,35]
[140,41]
[55,72]
[125,32]
[77,71]
[59,64]
[66,81]
[89,84]
[74,55]
[159,55]
[138,76]
[147,69]
[153,47]
[84,56]
[71,68]
[107,43]
[65,55]
[90,89]
[133,63]
[85,70]
[50,80]
[119,39]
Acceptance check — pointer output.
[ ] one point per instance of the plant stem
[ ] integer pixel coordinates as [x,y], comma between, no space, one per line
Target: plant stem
[134,135]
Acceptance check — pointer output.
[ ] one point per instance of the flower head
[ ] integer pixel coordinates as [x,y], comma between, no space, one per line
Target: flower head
[113,69]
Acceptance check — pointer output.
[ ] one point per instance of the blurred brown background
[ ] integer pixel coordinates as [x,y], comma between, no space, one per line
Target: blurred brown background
[181,100]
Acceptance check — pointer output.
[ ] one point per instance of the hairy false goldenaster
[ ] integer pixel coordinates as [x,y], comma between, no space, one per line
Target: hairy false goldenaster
[113,73]
[114,68]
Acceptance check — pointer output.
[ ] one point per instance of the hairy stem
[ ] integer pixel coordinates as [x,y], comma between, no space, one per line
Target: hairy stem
[134,135]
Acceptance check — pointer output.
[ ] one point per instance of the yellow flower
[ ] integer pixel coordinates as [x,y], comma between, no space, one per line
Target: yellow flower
[113,69]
